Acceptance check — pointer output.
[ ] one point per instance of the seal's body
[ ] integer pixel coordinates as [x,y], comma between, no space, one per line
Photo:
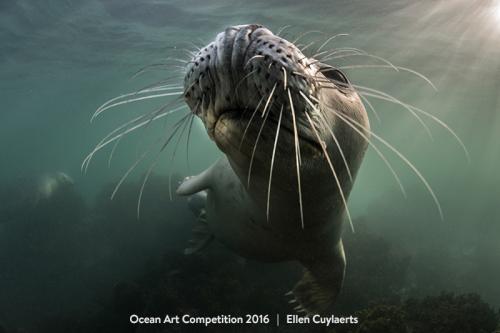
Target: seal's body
[50,184]
[233,217]
[286,124]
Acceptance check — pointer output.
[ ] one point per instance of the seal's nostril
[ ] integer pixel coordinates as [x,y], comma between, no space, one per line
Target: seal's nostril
[254,27]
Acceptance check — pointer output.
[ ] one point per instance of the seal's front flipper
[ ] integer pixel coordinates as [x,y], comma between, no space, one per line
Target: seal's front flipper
[194,184]
[197,203]
[320,285]
[201,235]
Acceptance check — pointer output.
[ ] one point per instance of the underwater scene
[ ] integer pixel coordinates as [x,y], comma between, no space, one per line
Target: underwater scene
[250,166]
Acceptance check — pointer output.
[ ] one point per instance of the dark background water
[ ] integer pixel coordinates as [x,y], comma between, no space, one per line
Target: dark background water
[67,257]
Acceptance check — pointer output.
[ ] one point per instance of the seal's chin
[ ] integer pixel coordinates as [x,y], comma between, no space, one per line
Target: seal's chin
[228,130]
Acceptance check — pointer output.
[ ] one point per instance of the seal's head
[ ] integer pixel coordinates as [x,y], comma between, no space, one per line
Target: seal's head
[252,88]
[52,184]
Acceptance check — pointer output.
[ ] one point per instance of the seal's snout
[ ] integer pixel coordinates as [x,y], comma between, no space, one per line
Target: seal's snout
[240,68]
[215,71]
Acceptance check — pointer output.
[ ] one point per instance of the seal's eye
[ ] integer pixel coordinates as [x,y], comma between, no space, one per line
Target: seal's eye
[336,76]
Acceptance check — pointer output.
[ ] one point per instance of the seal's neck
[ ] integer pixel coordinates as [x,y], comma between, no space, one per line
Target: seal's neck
[315,204]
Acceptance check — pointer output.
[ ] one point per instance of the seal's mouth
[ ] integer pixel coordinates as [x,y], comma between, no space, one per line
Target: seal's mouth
[242,122]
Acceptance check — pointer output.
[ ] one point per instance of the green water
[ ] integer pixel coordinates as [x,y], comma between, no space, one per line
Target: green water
[60,60]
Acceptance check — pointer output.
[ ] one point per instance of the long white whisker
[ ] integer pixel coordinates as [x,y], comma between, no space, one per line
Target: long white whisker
[427,114]
[383,158]
[404,69]
[132,167]
[151,115]
[371,107]
[278,127]
[284,78]
[254,57]
[113,151]
[391,98]
[304,34]
[143,185]
[307,46]
[332,168]
[351,121]
[297,158]
[182,61]
[154,163]
[334,137]
[104,141]
[332,53]
[242,80]
[445,126]
[139,92]
[327,41]
[187,142]
[153,67]
[365,55]
[131,100]
[249,122]
[317,55]
[159,110]
[185,121]
[282,29]
[86,161]
[344,50]
[268,100]
[266,114]
[163,83]
[176,127]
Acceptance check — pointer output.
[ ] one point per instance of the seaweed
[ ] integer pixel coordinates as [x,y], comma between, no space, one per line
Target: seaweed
[100,264]
[382,318]
[376,270]
[445,313]
[450,313]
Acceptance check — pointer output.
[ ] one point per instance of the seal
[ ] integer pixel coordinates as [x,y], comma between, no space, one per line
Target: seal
[293,131]
[50,185]
[28,197]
